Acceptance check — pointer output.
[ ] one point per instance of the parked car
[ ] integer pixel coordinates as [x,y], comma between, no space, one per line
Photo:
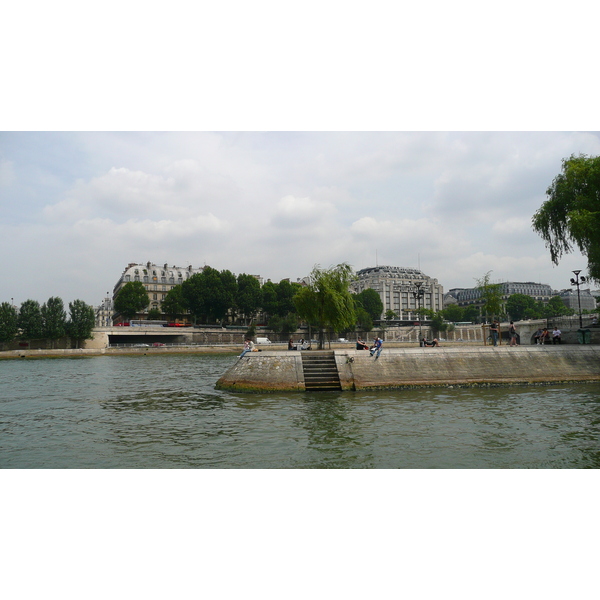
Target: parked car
[263,340]
[341,340]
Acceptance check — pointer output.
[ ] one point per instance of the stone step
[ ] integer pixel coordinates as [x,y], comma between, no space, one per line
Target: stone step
[320,372]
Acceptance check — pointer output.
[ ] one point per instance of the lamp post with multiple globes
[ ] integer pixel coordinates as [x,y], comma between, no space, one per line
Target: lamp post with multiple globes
[577,281]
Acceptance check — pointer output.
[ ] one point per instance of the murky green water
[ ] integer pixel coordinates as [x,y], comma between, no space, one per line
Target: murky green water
[163,412]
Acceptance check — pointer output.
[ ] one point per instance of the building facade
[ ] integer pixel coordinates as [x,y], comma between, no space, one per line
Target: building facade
[538,291]
[402,290]
[570,298]
[104,312]
[158,280]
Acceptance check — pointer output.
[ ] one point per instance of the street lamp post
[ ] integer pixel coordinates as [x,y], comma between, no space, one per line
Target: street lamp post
[577,281]
[418,294]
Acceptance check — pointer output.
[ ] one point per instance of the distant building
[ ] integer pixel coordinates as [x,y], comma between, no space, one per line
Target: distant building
[158,280]
[397,288]
[569,297]
[104,312]
[538,291]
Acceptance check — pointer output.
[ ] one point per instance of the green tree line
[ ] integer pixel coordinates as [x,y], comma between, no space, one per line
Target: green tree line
[48,321]
[213,297]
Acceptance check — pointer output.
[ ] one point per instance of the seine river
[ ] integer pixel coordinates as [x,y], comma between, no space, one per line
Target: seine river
[163,412]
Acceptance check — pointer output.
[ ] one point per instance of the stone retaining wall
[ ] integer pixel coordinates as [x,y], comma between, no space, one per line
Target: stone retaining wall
[265,371]
[399,367]
[463,366]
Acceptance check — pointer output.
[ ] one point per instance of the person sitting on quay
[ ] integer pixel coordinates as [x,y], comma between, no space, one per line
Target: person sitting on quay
[376,349]
[248,347]
[360,345]
[544,336]
[556,333]
[303,344]
[433,342]
[537,335]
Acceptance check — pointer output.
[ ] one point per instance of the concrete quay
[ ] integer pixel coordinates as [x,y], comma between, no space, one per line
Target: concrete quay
[272,371]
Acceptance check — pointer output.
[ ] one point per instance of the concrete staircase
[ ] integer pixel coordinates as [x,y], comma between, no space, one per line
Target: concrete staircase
[320,372]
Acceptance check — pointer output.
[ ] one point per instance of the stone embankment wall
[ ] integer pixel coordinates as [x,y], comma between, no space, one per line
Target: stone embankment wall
[398,367]
[472,365]
[270,371]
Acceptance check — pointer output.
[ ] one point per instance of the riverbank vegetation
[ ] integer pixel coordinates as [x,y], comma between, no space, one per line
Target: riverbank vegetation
[48,321]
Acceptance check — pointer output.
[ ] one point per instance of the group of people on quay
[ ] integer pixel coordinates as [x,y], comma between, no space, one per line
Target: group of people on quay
[542,336]
[495,333]
[301,344]
[374,350]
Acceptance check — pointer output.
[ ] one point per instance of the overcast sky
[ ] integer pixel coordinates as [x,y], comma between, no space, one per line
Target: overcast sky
[334,140]
[78,207]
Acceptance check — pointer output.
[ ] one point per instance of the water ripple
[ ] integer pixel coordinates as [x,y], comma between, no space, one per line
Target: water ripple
[163,412]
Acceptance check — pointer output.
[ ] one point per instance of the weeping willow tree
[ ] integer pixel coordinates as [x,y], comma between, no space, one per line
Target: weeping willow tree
[570,217]
[326,301]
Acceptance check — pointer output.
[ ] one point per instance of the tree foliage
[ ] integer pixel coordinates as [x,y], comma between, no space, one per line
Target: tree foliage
[363,319]
[370,300]
[131,299]
[518,304]
[81,321]
[269,298]
[30,320]
[248,296]
[557,308]
[326,301]
[173,304]
[210,294]
[286,291]
[454,313]
[8,323]
[54,319]
[438,324]
[570,217]
[471,313]
[491,294]
[285,325]
[277,299]
[390,315]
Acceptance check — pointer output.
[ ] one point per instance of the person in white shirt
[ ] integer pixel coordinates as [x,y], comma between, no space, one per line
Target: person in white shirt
[556,336]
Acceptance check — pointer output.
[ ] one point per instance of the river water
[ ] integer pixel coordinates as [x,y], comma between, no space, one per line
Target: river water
[117,412]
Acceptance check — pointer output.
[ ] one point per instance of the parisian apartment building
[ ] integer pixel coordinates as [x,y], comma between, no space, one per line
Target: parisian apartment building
[402,290]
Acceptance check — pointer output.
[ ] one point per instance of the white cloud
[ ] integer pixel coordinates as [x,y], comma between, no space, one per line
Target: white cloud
[275,204]
[292,212]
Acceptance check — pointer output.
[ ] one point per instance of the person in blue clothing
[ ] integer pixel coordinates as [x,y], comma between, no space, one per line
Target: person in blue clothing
[494,332]
[248,347]
[376,349]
